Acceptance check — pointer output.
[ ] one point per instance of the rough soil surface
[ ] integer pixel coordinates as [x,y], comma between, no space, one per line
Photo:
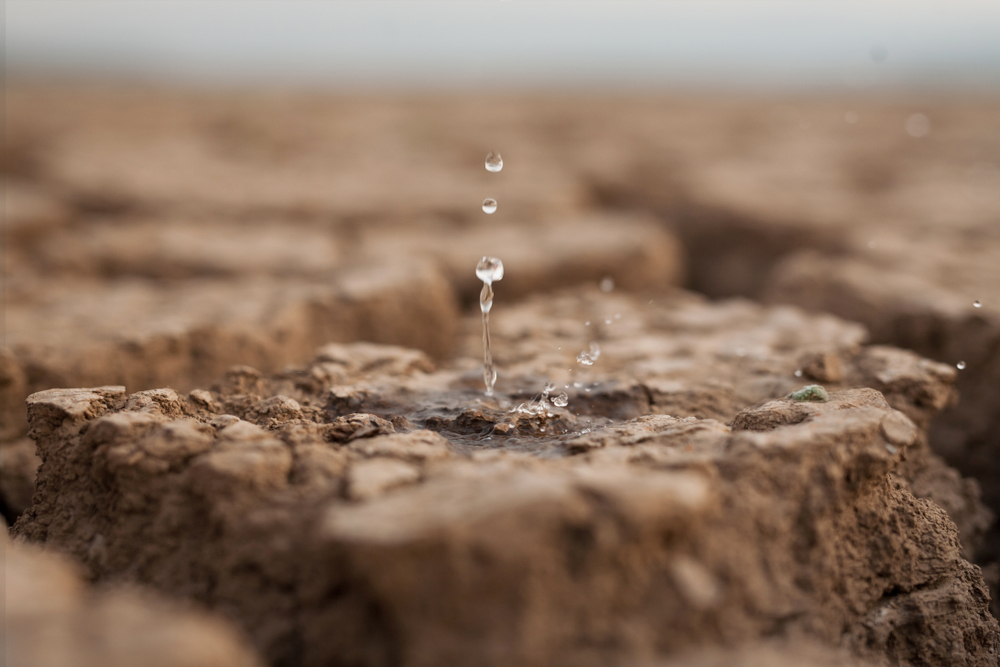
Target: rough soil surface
[52,619]
[370,508]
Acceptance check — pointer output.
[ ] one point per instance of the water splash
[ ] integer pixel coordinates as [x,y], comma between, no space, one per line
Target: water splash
[489,206]
[494,162]
[588,358]
[561,401]
[488,270]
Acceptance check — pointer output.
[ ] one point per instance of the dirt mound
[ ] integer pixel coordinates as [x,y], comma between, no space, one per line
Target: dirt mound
[52,619]
[369,509]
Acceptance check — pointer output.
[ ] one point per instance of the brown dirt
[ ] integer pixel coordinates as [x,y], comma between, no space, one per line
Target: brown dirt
[52,619]
[368,509]
[156,238]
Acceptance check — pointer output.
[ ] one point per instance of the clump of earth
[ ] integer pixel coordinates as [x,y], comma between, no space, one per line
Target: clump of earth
[242,409]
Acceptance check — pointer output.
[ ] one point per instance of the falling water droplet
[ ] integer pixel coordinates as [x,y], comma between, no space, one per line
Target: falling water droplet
[577,384]
[488,270]
[960,365]
[584,359]
[489,205]
[607,284]
[977,304]
[561,401]
[798,372]
[494,162]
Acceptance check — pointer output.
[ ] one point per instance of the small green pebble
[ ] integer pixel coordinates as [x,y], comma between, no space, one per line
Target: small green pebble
[811,392]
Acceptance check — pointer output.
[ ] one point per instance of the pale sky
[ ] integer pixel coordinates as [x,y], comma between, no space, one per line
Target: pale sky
[513,44]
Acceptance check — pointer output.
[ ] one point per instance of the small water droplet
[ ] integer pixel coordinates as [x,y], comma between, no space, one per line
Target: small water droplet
[584,359]
[586,324]
[798,372]
[595,351]
[489,269]
[977,304]
[577,384]
[960,365]
[607,320]
[548,389]
[542,429]
[489,205]
[607,284]
[561,401]
[494,162]
[587,389]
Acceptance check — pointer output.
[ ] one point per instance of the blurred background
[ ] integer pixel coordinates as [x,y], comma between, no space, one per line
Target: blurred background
[192,185]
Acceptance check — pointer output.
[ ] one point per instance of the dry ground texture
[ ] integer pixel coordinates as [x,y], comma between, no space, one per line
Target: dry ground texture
[247,326]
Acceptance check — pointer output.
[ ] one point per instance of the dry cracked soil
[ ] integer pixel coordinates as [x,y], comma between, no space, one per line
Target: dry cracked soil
[241,394]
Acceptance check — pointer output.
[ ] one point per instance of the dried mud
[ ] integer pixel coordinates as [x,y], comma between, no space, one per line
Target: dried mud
[363,504]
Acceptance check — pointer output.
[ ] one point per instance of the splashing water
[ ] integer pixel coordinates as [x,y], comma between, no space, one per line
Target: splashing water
[488,270]
[494,162]
[561,401]
[588,358]
[489,206]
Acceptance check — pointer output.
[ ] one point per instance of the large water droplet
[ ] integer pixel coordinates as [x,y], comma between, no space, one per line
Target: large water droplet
[561,401]
[607,284]
[494,162]
[489,269]
[977,304]
[584,359]
[489,205]
[960,365]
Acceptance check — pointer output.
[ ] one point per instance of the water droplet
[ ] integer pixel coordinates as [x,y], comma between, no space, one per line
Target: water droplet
[798,372]
[607,320]
[494,162]
[977,304]
[489,269]
[595,351]
[586,324]
[489,205]
[561,401]
[542,429]
[607,284]
[918,125]
[960,365]
[549,387]
[584,359]
[851,117]
[577,384]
